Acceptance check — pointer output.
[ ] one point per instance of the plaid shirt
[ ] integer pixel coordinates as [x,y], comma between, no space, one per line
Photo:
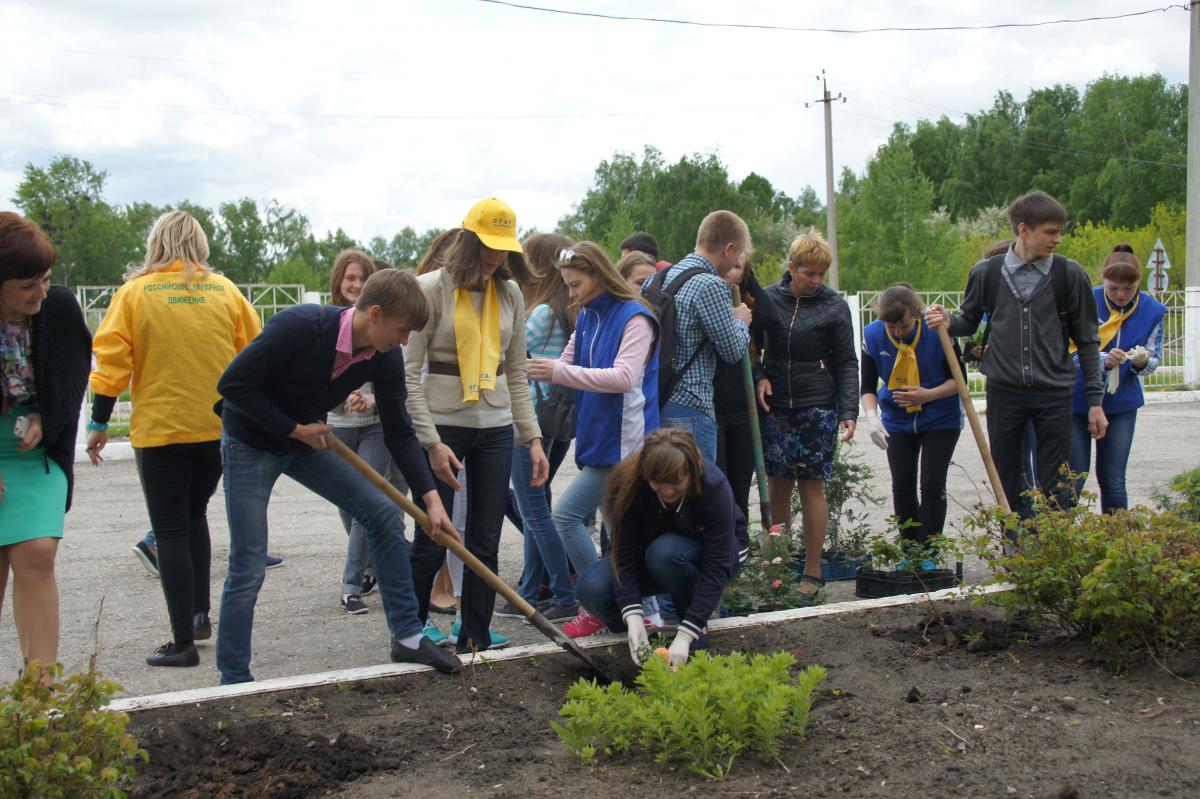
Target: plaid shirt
[703,318]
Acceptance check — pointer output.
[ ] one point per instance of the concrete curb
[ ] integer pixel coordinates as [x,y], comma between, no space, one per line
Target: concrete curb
[197,695]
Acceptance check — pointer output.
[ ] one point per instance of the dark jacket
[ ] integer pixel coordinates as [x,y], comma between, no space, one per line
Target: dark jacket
[62,359]
[712,517]
[1026,348]
[729,383]
[808,349]
[282,379]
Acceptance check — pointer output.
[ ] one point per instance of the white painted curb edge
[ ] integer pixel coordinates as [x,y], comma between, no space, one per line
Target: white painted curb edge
[196,695]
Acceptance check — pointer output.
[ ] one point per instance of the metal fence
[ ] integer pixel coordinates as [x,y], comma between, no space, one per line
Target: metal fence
[1169,374]
[267,298]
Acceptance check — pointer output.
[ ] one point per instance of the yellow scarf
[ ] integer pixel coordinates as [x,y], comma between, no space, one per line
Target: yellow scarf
[477,339]
[905,371]
[1112,325]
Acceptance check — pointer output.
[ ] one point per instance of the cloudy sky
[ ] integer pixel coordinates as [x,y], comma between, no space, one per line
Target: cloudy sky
[375,115]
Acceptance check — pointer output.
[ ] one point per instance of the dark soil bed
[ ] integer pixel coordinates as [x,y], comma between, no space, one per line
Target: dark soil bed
[990,710]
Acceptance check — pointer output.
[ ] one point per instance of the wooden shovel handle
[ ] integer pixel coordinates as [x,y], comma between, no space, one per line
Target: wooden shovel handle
[969,407]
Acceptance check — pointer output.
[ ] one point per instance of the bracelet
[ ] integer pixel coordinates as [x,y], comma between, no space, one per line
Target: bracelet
[97,426]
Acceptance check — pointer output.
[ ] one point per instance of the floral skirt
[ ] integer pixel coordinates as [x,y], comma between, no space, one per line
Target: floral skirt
[798,443]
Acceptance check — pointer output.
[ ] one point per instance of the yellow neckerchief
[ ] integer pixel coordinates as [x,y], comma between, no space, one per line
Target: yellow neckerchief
[1108,331]
[905,371]
[477,339]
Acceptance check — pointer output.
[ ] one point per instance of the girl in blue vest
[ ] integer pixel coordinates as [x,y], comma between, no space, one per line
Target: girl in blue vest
[1131,336]
[916,415]
[612,363]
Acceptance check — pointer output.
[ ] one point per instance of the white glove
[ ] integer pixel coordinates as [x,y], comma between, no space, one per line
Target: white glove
[681,648]
[639,639]
[1113,380]
[1139,356]
[875,425]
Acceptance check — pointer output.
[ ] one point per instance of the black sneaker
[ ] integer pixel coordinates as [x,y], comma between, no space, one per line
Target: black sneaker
[560,614]
[201,626]
[147,556]
[509,611]
[172,655]
[427,653]
[353,604]
[368,585]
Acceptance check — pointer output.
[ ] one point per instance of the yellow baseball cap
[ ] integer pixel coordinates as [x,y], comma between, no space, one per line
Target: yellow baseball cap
[495,224]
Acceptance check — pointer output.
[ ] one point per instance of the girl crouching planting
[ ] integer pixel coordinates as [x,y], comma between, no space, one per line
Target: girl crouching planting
[675,529]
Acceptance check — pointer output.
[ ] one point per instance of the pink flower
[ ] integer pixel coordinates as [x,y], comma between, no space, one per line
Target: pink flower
[777,583]
[776,530]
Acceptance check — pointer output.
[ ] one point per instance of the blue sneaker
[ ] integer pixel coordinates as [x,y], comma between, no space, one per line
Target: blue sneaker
[498,641]
[274,562]
[435,636]
[147,555]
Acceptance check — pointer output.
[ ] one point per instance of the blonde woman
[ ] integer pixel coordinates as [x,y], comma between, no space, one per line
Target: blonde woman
[170,331]
[612,363]
[474,402]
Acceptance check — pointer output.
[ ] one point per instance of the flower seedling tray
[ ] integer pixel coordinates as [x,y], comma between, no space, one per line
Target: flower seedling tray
[834,570]
[872,583]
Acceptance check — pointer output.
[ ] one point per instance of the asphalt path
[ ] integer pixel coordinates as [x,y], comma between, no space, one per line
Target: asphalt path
[111,608]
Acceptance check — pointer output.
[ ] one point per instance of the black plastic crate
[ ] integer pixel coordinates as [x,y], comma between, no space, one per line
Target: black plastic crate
[872,583]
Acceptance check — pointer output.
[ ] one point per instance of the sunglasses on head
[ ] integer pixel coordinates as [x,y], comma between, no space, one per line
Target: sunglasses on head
[565,256]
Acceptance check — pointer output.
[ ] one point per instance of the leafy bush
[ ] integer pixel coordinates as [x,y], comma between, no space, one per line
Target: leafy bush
[1129,581]
[56,741]
[849,494]
[704,714]
[766,581]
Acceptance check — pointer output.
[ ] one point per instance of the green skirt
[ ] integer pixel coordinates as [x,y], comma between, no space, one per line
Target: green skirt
[34,504]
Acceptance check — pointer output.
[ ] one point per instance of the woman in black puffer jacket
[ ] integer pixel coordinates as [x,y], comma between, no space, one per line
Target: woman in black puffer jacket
[807,385]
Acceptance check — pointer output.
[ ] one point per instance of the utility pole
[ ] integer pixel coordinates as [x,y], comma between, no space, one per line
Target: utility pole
[830,188]
[1191,313]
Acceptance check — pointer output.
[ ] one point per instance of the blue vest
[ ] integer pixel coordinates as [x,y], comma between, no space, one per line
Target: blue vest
[941,414]
[610,426]
[1134,330]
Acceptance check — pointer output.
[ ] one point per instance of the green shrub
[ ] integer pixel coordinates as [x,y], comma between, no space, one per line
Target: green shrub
[57,741]
[703,714]
[1129,581]
[767,580]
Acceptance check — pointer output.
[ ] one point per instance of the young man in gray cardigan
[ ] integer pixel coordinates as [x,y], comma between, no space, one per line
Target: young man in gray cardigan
[1032,312]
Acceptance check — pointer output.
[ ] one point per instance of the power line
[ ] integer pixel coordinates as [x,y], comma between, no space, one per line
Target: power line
[798,29]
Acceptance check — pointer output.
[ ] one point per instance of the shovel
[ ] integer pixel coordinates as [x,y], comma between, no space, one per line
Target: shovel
[760,468]
[473,563]
[984,451]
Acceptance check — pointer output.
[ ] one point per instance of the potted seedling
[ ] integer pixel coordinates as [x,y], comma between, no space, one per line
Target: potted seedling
[903,566]
[849,495]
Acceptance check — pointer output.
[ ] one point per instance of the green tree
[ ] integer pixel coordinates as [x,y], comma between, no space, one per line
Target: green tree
[243,238]
[887,231]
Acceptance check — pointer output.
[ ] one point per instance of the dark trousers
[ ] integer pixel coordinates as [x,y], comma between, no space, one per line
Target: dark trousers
[1008,413]
[178,480]
[931,450]
[487,454]
[735,457]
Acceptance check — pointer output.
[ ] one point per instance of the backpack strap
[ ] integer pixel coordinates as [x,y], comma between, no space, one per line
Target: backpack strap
[991,288]
[1060,284]
[671,290]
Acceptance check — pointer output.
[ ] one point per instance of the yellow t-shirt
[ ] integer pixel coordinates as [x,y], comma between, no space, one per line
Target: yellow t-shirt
[172,342]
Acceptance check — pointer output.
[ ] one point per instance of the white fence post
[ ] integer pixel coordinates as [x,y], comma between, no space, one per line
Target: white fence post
[1191,337]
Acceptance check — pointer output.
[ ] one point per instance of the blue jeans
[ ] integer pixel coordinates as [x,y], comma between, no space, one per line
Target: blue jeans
[703,428]
[672,567]
[571,512]
[368,442]
[250,473]
[1112,456]
[545,558]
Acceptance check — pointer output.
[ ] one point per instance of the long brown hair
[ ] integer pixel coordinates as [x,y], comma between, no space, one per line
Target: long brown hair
[434,257]
[340,264]
[548,288]
[668,455]
[464,262]
[590,258]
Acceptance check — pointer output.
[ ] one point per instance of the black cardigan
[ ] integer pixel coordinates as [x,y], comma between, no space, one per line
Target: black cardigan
[712,517]
[62,359]
[283,378]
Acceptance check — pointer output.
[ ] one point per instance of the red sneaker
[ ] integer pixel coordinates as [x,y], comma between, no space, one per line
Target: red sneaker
[583,625]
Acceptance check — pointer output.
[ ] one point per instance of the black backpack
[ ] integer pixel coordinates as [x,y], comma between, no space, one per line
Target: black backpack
[662,299]
[1059,280]
[556,411]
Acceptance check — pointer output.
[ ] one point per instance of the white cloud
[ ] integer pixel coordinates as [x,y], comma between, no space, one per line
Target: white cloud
[373,115]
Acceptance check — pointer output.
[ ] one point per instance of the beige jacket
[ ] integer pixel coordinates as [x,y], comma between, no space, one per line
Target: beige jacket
[437,398]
